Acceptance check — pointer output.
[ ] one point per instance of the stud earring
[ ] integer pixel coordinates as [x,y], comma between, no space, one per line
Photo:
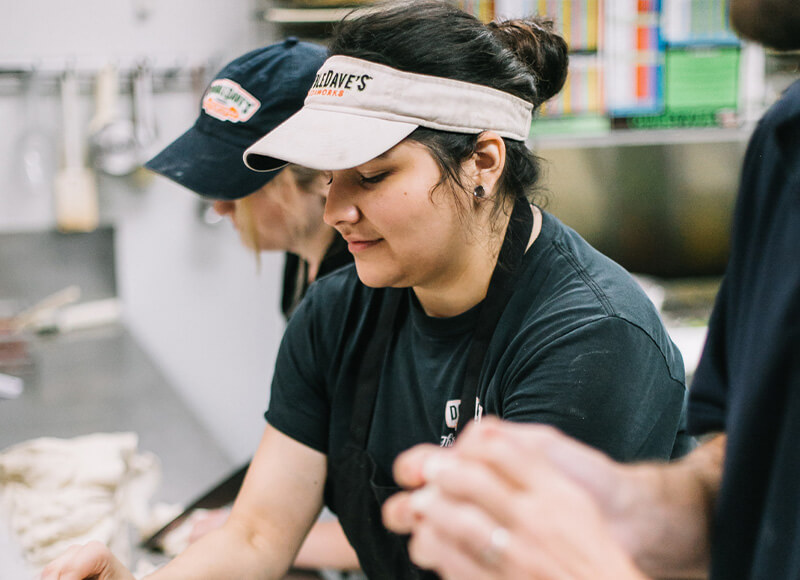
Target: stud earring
[479,192]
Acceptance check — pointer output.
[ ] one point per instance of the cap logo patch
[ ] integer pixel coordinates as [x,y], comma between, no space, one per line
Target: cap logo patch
[334,84]
[228,101]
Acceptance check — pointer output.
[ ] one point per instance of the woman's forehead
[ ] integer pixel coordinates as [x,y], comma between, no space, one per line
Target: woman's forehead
[399,152]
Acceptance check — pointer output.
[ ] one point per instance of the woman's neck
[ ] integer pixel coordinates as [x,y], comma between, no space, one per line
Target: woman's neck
[465,288]
[313,248]
[469,284]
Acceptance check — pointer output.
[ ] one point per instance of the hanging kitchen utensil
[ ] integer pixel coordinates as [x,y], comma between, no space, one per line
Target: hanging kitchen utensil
[44,307]
[36,148]
[75,186]
[112,139]
[144,115]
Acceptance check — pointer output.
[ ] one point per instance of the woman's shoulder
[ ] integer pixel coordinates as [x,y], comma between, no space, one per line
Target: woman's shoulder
[569,264]
[572,283]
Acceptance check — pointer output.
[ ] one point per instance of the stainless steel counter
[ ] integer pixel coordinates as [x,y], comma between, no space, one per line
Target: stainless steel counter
[100,380]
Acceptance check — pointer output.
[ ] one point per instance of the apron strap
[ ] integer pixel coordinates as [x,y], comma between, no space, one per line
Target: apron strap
[369,372]
[501,286]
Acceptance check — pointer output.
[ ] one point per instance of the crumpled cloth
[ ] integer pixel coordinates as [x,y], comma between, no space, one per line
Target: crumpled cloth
[58,492]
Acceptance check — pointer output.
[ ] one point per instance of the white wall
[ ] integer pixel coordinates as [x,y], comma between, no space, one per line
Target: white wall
[195,300]
[192,294]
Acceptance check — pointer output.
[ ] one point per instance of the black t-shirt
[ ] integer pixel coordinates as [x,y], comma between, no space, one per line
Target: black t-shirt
[579,346]
[295,273]
[748,380]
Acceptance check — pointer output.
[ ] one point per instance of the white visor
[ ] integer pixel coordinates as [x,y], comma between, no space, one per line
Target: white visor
[357,110]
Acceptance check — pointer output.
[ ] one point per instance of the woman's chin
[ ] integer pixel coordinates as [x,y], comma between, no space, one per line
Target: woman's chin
[375,278]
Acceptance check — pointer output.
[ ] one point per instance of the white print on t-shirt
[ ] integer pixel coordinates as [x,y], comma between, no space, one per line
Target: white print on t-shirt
[478,410]
[451,413]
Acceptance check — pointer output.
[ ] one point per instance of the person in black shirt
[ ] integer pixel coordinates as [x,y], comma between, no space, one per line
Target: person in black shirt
[279,211]
[465,300]
[527,502]
[282,210]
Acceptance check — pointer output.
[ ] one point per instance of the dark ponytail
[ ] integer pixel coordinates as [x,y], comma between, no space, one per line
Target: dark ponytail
[523,57]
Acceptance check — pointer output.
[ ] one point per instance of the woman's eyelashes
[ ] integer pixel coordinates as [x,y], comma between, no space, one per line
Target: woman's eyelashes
[373,179]
[357,178]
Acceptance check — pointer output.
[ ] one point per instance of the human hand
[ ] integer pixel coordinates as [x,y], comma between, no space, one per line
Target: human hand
[513,501]
[90,561]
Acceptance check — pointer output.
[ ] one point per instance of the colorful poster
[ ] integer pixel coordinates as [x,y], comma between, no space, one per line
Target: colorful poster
[633,57]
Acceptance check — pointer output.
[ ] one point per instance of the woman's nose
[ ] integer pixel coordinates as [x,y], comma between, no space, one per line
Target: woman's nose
[339,207]
[223,207]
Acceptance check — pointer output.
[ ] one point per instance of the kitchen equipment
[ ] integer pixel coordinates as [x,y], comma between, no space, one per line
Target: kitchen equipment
[144,115]
[35,150]
[75,185]
[44,308]
[10,386]
[82,316]
[15,356]
[663,209]
[112,139]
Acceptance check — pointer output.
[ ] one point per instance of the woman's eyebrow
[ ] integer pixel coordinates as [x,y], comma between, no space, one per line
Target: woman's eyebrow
[382,157]
[385,156]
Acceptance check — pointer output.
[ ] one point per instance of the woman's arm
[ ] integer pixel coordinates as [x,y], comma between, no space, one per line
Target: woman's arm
[326,547]
[279,501]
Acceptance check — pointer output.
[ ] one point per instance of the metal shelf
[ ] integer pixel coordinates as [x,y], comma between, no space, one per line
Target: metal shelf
[643,137]
[612,138]
[282,15]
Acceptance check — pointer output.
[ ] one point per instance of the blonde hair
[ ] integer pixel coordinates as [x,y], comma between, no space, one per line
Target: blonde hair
[307,180]
[248,228]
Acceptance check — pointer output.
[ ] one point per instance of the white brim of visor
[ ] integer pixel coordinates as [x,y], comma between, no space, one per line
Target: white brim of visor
[357,110]
[326,140]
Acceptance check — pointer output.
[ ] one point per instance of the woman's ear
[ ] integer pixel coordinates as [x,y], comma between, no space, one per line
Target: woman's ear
[487,162]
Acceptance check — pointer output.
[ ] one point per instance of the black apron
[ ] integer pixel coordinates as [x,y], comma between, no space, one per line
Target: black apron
[353,489]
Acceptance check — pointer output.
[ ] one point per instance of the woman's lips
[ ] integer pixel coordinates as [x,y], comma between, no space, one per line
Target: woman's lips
[361,245]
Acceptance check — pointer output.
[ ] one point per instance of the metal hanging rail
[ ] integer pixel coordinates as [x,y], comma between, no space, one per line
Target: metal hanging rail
[14,77]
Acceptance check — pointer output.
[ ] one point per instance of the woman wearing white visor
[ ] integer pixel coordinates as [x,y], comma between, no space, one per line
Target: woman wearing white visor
[465,299]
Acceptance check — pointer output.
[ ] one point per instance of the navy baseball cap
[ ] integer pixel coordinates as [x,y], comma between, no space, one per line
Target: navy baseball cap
[249,97]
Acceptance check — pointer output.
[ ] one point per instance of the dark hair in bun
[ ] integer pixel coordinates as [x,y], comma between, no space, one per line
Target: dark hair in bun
[540,48]
[523,57]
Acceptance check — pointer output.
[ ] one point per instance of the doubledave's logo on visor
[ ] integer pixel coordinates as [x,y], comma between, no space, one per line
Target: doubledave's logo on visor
[334,84]
[228,101]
